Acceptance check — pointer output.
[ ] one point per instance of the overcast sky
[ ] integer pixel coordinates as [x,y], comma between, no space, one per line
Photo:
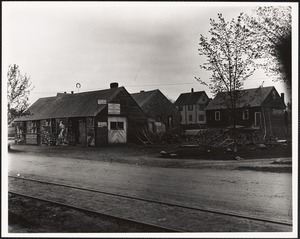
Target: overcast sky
[142,46]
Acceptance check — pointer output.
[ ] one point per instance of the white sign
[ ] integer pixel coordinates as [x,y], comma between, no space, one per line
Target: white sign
[102,102]
[102,124]
[114,109]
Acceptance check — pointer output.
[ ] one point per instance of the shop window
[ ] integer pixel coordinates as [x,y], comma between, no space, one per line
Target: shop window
[217,116]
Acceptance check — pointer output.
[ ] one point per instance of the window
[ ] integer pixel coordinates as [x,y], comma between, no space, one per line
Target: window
[201,117]
[217,116]
[274,94]
[190,117]
[170,122]
[201,107]
[116,125]
[180,107]
[245,114]
[190,107]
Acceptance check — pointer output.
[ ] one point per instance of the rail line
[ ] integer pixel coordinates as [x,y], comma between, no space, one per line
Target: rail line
[260,219]
[160,228]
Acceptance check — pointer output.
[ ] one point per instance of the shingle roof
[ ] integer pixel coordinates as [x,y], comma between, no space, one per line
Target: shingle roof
[189,98]
[70,105]
[250,98]
[143,97]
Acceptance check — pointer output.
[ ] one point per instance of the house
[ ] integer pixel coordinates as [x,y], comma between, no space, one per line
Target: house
[89,118]
[161,113]
[192,107]
[261,108]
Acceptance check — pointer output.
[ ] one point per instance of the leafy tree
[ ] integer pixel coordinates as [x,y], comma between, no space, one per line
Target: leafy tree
[274,24]
[230,53]
[18,90]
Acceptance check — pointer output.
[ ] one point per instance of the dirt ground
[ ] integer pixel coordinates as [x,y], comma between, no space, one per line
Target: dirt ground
[259,187]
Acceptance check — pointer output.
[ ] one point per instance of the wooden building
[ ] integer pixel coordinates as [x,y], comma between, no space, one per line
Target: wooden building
[192,108]
[89,118]
[161,113]
[260,108]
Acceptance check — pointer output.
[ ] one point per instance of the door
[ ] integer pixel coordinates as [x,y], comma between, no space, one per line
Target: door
[117,130]
[257,118]
[82,132]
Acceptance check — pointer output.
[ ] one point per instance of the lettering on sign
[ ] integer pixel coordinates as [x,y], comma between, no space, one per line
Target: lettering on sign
[114,109]
[102,124]
[102,102]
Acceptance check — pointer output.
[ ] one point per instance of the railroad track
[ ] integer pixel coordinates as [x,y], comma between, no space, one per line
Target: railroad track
[216,212]
[150,227]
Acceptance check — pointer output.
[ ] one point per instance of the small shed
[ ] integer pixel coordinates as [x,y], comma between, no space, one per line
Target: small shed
[89,118]
[161,113]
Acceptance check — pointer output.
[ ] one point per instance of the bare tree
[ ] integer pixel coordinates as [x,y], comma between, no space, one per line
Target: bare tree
[230,53]
[18,90]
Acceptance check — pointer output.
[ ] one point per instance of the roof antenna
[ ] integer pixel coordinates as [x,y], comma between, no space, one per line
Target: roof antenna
[78,85]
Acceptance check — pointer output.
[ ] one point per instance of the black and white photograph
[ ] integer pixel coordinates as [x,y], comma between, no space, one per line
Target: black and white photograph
[149,119]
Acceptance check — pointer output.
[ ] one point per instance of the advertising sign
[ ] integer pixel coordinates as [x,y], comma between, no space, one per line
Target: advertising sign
[114,109]
[102,124]
[102,102]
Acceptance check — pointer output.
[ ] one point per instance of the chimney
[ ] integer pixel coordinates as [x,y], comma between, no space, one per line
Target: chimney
[114,85]
[72,92]
[142,91]
[282,96]
[192,90]
[65,92]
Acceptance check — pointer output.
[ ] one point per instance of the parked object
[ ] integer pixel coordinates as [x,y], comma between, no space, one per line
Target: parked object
[88,118]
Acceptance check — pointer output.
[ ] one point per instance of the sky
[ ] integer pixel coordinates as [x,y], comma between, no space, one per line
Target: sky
[140,45]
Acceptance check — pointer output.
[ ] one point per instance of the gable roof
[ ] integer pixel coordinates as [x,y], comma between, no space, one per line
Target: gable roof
[189,98]
[70,105]
[143,97]
[250,98]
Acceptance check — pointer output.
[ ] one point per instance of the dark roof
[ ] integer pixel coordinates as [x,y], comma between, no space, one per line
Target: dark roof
[250,98]
[189,98]
[143,97]
[70,105]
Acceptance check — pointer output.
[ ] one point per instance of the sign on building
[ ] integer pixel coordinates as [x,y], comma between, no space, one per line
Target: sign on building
[102,124]
[114,109]
[102,102]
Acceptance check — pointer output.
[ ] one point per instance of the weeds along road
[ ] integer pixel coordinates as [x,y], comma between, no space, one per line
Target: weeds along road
[262,194]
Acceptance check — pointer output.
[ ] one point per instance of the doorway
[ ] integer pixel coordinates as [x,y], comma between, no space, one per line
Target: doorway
[82,132]
[257,119]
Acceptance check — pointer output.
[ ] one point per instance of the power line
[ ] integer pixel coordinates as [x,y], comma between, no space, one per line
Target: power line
[187,83]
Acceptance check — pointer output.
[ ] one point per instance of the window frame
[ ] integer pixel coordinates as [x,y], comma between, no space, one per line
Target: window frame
[201,115]
[116,125]
[246,114]
[217,118]
[201,107]
[190,107]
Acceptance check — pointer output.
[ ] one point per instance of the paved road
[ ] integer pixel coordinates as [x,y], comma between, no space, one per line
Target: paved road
[245,192]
